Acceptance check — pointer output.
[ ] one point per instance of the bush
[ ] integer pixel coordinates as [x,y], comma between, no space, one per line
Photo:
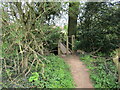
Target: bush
[52,37]
[94,39]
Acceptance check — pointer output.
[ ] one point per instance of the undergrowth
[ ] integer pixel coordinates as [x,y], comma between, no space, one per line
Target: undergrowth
[56,75]
[103,72]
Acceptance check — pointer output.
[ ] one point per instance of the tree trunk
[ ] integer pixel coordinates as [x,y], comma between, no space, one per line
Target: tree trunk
[72,22]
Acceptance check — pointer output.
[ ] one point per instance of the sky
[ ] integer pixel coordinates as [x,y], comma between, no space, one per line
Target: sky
[64,16]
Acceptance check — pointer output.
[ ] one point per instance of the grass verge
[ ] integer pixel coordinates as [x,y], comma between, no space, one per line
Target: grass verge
[103,72]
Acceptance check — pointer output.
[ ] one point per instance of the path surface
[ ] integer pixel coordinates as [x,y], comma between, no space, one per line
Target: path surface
[79,71]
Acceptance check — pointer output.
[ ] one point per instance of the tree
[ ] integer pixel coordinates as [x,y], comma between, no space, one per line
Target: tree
[98,29]
[72,22]
[24,27]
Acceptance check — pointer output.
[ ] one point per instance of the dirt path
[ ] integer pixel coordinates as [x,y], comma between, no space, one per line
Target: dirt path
[79,72]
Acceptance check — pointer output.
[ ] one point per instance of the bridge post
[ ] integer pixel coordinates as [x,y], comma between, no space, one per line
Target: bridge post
[59,47]
[116,60]
[118,64]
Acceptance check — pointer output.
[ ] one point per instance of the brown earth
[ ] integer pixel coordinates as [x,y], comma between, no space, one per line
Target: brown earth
[79,71]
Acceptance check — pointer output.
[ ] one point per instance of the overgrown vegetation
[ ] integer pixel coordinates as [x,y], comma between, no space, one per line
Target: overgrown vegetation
[27,37]
[57,75]
[30,35]
[103,72]
[98,34]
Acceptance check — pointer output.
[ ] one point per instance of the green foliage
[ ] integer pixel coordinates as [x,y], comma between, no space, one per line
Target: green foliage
[99,27]
[57,74]
[77,43]
[52,37]
[103,73]
[34,77]
[25,36]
